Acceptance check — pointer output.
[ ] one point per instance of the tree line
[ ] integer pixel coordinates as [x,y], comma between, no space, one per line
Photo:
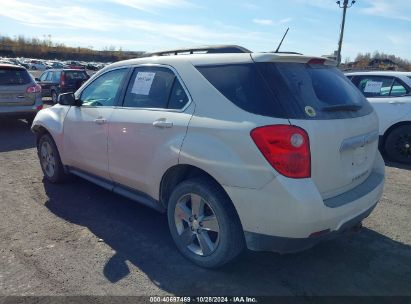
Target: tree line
[366,59]
[21,46]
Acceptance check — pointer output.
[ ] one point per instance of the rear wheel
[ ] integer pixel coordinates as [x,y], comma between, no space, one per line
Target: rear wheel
[50,159]
[204,223]
[54,96]
[398,144]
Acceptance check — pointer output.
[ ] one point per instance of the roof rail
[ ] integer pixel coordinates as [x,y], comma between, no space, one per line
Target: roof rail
[212,49]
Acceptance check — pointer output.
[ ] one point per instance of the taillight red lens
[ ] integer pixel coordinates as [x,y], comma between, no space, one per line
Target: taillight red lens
[316,61]
[62,80]
[286,148]
[34,89]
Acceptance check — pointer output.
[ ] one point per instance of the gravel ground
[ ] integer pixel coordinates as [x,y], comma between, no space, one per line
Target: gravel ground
[79,239]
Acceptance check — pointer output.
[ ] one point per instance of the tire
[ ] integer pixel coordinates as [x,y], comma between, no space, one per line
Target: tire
[54,97]
[30,121]
[50,161]
[216,240]
[397,145]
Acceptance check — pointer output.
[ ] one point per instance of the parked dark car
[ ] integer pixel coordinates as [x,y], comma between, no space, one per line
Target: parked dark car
[56,81]
[75,65]
[20,95]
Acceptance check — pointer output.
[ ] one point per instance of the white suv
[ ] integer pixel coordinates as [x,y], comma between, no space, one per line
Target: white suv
[265,150]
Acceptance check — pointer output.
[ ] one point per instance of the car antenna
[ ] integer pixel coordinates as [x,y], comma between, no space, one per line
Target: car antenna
[281,42]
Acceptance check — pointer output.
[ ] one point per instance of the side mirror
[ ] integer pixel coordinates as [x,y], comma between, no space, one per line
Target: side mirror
[37,79]
[68,99]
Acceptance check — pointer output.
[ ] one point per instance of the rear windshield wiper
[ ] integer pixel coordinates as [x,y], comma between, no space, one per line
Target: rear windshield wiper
[342,107]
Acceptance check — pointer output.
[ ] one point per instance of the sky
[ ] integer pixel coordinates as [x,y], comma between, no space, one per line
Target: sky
[148,25]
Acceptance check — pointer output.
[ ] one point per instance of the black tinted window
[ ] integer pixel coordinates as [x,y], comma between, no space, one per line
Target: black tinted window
[75,75]
[155,87]
[243,85]
[287,90]
[13,76]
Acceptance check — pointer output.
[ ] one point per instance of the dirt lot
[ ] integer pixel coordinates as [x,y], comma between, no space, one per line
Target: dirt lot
[78,239]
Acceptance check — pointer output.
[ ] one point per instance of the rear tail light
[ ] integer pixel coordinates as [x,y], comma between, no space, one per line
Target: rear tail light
[286,148]
[40,107]
[34,89]
[62,80]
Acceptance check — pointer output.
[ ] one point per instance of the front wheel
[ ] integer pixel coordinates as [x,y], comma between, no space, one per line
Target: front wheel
[204,224]
[50,159]
[398,144]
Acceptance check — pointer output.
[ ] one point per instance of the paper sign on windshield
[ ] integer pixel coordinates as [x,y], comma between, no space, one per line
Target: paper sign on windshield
[143,82]
[373,87]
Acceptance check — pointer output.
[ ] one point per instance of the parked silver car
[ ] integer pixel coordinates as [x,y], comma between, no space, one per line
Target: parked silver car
[20,95]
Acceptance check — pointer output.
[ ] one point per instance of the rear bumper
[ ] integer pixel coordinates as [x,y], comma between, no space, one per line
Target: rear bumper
[262,242]
[21,111]
[283,215]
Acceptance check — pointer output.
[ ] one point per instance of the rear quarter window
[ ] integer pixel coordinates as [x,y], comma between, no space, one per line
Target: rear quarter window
[244,86]
[13,76]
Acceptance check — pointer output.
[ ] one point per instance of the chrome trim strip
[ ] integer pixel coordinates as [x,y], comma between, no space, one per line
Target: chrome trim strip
[359,141]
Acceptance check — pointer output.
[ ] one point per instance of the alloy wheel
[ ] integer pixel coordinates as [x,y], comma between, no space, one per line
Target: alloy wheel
[197,224]
[48,161]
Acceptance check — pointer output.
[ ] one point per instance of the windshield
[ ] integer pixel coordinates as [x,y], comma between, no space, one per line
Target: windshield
[13,76]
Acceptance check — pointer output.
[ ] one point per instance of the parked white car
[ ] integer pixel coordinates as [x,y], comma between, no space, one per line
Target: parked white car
[270,151]
[390,94]
[37,65]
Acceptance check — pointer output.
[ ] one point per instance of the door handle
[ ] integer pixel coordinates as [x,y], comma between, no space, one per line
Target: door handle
[100,121]
[162,123]
[21,96]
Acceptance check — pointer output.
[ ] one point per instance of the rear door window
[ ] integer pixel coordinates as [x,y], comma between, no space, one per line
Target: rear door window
[13,76]
[288,90]
[155,87]
[398,89]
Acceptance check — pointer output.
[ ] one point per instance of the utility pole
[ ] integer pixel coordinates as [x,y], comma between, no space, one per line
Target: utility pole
[344,6]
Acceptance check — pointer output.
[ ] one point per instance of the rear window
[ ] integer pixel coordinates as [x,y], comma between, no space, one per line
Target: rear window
[288,90]
[13,76]
[75,75]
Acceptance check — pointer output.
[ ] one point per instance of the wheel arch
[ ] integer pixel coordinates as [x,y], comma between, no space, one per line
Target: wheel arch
[179,173]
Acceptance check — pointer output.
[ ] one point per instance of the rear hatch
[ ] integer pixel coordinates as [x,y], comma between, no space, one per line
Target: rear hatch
[73,79]
[341,124]
[14,82]
[314,95]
